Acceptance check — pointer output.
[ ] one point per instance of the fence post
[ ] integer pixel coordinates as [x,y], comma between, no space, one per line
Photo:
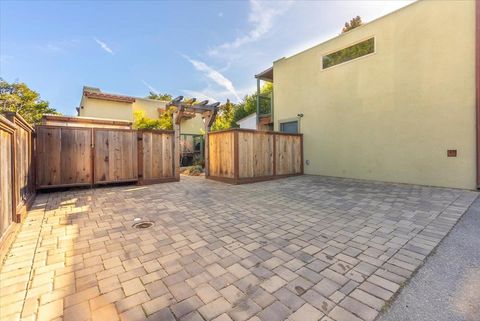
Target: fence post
[140,156]
[236,160]
[274,157]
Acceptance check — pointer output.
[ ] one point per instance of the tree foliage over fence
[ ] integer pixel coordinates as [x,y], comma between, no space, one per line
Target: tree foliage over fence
[17,97]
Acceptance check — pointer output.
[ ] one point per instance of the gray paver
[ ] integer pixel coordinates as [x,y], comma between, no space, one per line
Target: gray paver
[300,247]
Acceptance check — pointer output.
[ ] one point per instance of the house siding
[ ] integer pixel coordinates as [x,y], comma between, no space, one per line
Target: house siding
[391,115]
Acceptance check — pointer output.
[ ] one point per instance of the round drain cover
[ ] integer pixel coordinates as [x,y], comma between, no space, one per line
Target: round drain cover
[142,225]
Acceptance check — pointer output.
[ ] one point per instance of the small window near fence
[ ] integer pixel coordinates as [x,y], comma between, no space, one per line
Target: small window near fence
[289,127]
[346,54]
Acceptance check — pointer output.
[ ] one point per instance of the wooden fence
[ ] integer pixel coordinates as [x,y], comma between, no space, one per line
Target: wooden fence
[77,156]
[17,187]
[156,156]
[243,156]
[24,166]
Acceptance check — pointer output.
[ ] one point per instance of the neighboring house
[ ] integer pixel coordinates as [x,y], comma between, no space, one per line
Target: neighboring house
[98,104]
[249,122]
[392,100]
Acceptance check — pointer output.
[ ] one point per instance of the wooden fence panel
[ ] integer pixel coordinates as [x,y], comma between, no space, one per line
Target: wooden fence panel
[288,154]
[6,177]
[156,157]
[221,150]
[116,157]
[64,156]
[24,169]
[244,156]
[255,154]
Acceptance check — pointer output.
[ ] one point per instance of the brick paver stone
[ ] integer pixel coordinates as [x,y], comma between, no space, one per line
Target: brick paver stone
[301,248]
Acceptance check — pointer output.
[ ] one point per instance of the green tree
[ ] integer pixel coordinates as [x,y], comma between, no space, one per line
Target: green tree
[224,117]
[352,24]
[159,96]
[143,122]
[249,104]
[354,51]
[19,98]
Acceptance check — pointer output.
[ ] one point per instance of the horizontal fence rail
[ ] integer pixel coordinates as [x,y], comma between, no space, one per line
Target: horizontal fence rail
[244,156]
[79,156]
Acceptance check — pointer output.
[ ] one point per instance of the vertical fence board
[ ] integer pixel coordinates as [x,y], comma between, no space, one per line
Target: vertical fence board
[115,155]
[63,156]
[289,155]
[221,149]
[158,156]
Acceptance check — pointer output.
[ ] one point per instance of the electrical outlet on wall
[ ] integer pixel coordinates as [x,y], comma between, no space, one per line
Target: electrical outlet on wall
[451,153]
[307,162]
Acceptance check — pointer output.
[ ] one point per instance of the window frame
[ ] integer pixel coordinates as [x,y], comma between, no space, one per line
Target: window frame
[347,46]
[286,121]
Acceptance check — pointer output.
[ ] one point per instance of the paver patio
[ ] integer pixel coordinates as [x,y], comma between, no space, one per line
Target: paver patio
[303,248]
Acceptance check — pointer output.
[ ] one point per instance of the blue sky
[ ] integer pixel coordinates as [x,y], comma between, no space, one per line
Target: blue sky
[206,49]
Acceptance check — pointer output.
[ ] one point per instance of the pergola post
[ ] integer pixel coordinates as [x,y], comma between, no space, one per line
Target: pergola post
[206,148]
[176,157]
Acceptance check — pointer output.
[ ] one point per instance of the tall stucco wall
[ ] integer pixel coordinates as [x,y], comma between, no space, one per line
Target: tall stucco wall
[149,107]
[392,115]
[99,108]
[192,126]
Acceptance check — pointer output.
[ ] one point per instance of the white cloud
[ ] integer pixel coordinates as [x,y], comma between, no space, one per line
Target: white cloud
[214,75]
[261,17]
[150,87]
[201,95]
[104,46]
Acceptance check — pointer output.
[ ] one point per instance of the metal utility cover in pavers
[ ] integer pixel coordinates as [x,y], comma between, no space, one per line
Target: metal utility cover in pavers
[302,248]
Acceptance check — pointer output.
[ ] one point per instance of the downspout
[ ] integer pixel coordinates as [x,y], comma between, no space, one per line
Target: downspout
[477,84]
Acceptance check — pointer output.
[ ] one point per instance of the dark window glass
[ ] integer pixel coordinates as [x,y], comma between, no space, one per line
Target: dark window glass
[289,127]
[355,51]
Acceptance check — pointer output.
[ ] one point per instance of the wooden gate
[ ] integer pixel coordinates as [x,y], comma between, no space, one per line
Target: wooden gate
[156,156]
[64,156]
[115,157]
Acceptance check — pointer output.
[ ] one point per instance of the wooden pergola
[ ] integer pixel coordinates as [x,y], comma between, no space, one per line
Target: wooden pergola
[186,109]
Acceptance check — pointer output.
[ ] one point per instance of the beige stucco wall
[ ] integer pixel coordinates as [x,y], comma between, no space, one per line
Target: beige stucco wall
[149,106]
[105,109]
[392,115]
[99,108]
[192,126]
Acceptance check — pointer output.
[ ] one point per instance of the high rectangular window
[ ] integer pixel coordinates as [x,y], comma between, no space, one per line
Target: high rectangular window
[346,54]
[289,127]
